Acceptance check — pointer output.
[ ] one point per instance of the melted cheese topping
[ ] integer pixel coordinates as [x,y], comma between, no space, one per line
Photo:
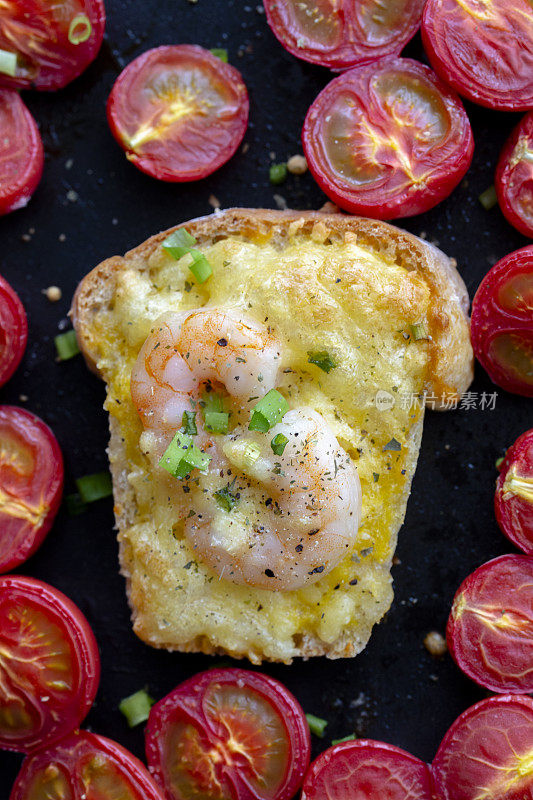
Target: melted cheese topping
[338,297]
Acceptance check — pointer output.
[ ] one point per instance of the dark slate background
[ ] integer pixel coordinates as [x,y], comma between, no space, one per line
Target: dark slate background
[394,691]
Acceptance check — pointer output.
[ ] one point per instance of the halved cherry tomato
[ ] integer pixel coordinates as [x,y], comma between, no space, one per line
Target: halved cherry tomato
[31,483]
[228,734]
[387,139]
[514,177]
[340,33]
[54,41]
[502,324]
[84,766]
[13,331]
[21,152]
[179,112]
[49,664]
[490,628]
[488,752]
[513,499]
[367,770]
[483,48]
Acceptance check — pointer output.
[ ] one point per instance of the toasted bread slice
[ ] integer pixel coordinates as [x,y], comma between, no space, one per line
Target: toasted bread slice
[393,310]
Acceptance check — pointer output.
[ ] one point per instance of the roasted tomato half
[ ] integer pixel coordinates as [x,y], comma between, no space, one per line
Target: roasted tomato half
[513,500]
[514,177]
[51,42]
[387,139]
[502,324]
[488,752]
[490,628]
[21,152]
[13,331]
[340,33]
[31,483]
[84,766]
[179,112]
[228,734]
[367,770]
[49,664]
[483,48]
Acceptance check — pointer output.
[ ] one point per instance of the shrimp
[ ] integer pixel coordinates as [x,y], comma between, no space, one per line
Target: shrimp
[285,521]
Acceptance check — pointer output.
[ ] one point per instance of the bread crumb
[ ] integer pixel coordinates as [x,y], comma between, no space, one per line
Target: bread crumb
[329,208]
[435,644]
[23,398]
[320,232]
[297,165]
[53,293]
[214,201]
[72,196]
[245,147]
[295,226]
[280,202]
[62,237]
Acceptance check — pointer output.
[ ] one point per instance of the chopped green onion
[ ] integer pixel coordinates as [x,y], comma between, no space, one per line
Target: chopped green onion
[278,444]
[75,505]
[488,198]
[251,453]
[225,498]
[394,444]
[182,456]
[94,487]
[66,345]
[179,243]
[278,173]
[322,359]
[200,267]
[216,421]
[221,53]
[268,412]
[8,63]
[211,401]
[419,331]
[499,462]
[349,738]
[83,23]
[188,423]
[316,725]
[375,475]
[136,707]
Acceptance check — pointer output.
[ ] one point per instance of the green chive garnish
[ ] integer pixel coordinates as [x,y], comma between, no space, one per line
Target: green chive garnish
[216,421]
[268,412]
[182,456]
[488,198]
[316,724]
[80,29]
[278,444]
[221,53]
[322,359]
[188,423]
[499,462]
[277,174]
[75,505]
[94,487]
[349,738]
[66,345]
[179,243]
[211,401]
[225,498]
[8,63]
[419,331]
[200,267]
[136,707]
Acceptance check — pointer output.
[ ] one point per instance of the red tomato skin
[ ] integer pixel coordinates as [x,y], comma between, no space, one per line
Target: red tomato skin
[355,47]
[367,756]
[372,202]
[462,765]
[87,669]
[160,165]
[64,61]
[489,319]
[515,514]
[275,693]
[514,178]
[13,331]
[16,546]
[446,57]
[484,654]
[72,752]
[20,174]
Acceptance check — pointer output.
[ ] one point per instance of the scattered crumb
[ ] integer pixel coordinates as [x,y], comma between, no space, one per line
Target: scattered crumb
[272,155]
[447,446]
[329,208]
[114,221]
[53,293]
[213,201]
[69,163]
[435,644]
[433,678]
[245,147]
[297,165]
[23,398]
[396,561]
[423,235]
[62,237]
[26,237]
[72,196]
[280,202]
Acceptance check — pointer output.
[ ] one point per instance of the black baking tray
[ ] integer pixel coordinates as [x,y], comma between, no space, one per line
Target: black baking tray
[394,691]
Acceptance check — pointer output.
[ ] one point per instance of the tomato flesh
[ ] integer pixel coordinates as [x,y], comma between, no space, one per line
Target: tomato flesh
[54,42]
[21,153]
[228,733]
[49,664]
[31,484]
[490,628]
[179,112]
[366,770]
[483,49]
[488,752]
[387,139]
[514,177]
[13,331]
[340,33]
[84,766]
[501,327]
[513,499]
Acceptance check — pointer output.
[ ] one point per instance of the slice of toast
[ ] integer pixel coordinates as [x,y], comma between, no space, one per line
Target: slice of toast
[394,311]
